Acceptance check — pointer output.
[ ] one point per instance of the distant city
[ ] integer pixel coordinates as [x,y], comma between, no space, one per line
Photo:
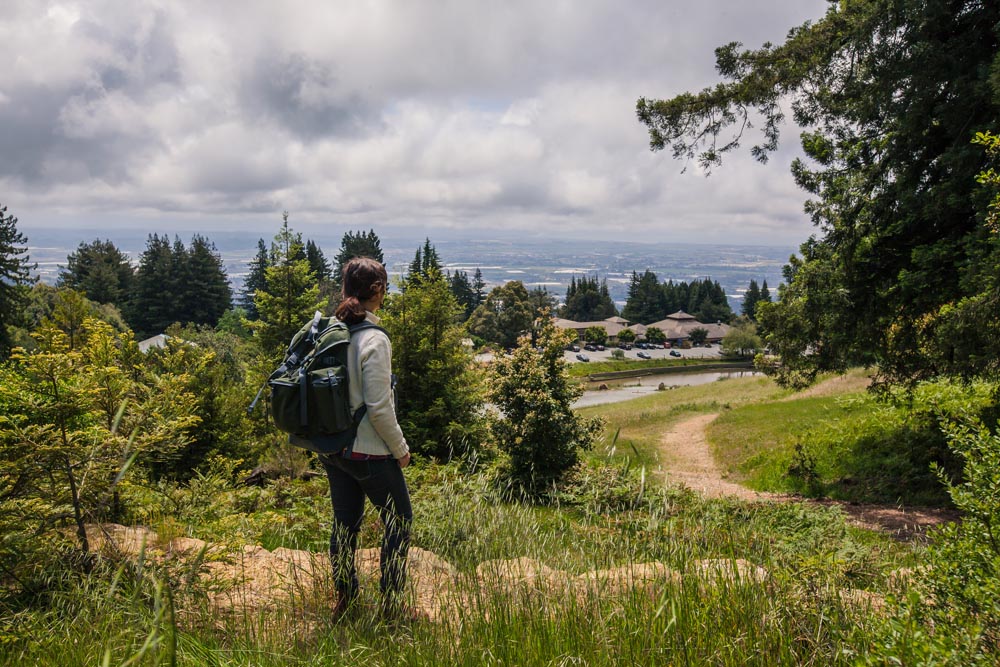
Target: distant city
[549,263]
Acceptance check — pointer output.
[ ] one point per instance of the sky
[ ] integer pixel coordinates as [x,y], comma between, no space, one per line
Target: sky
[441,117]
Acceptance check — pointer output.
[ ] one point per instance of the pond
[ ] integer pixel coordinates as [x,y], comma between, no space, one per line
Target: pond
[648,384]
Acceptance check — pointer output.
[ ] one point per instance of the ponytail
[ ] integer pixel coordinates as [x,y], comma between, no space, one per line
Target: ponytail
[362,279]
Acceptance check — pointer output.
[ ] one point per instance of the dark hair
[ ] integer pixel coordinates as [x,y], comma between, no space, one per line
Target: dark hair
[361,278]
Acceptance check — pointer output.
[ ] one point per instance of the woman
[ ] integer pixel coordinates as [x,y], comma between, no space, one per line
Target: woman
[373,467]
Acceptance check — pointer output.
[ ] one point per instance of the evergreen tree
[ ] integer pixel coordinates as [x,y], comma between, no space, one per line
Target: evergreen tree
[478,288]
[100,271]
[461,289]
[538,428]
[206,288]
[542,301]
[317,262]
[357,244]
[152,308]
[291,295]
[646,301]
[15,276]
[256,280]
[424,262]
[765,294]
[588,300]
[750,299]
[438,396]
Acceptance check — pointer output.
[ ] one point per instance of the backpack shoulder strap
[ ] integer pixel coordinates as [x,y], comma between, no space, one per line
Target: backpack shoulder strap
[361,326]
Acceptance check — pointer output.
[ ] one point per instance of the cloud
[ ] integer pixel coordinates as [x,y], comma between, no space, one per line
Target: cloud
[456,114]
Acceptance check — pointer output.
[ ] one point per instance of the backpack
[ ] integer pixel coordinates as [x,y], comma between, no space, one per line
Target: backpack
[309,398]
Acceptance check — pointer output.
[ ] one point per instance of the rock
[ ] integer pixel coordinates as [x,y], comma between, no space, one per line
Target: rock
[115,539]
[645,577]
[712,570]
[603,386]
[861,599]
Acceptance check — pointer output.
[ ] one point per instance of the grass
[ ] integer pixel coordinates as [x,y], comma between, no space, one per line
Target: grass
[608,515]
[793,617]
[583,369]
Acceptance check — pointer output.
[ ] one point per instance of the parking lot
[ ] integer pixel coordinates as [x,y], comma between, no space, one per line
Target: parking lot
[712,352]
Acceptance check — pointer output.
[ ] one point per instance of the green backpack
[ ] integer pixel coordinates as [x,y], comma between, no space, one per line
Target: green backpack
[309,396]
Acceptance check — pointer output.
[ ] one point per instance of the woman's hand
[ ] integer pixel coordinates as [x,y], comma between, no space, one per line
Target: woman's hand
[404,460]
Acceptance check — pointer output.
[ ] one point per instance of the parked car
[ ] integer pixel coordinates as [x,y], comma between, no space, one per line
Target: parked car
[625,346]
[643,355]
[674,353]
[590,347]
[583,357]
[600,348]
[575,348]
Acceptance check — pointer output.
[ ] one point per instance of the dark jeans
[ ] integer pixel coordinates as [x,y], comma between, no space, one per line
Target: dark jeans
[382,482]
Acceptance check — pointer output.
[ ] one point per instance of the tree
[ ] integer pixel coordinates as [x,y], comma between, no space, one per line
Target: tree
[698,336]
[478,288]
[206,288]
[626,336]
[317,261]
[655,335]
[461,289]
[424,262]
[597,335]
[75,423]
[291,295]
[439,399]
[889,95]
[154,305]
[588,300]
[750,299]
[15,276]
[256,280]
[542,301]
[101,271]
[765,293]
[357,244]
[742,339]
[646,301]
[504,316]
[537,429]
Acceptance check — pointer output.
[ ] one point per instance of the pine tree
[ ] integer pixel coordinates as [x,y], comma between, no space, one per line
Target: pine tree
[424,262]
[588,300]
[317,262]
[765,294]
[291,295]
[439,398]
[357,244]
[15,276]
[646,299]
[151,310]
[256,280]
[206,288]
[100,271]
[461,289]
[478,288]
[750,299]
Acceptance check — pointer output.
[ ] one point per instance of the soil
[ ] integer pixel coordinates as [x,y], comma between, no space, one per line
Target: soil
[687,459]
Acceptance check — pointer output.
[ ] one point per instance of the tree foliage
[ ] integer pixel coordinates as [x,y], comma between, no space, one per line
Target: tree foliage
[742,339]
[889,94]
[537,428]
[181,284]
[646,300]
[597,335]
[357,244]
[504,316]
[256,280]
[290,296]
[588,300]
[15,276]
[73,424]
[439,399]
[101,271]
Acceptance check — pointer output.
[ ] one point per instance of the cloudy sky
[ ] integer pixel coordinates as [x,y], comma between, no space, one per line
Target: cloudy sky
[483,117]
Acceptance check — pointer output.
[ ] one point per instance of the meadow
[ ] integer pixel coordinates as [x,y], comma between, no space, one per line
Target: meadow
[617,567]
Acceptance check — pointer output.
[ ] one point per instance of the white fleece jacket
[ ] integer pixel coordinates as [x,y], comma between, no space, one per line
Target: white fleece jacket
[369,358]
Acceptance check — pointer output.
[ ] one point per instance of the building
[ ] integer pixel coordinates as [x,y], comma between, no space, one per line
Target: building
[677,327]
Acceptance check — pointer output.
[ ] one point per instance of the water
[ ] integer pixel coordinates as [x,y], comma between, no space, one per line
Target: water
[649,383]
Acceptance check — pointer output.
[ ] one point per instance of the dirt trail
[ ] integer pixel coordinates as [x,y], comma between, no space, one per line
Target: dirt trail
[686,457]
